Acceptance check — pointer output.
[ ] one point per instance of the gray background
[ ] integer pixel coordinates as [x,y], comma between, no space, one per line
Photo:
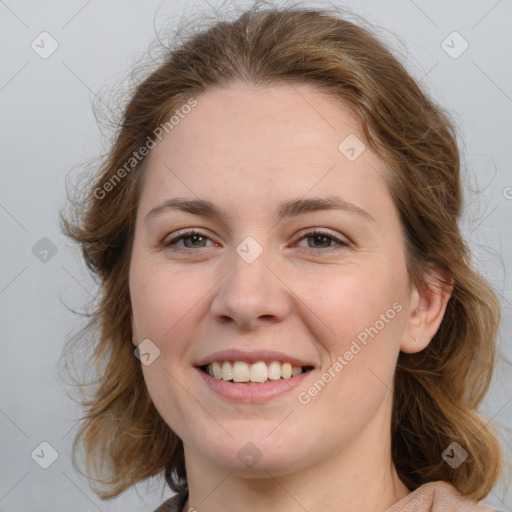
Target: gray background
[48,130]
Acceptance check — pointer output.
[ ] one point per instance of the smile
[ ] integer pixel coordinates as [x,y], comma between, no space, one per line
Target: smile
[255,373]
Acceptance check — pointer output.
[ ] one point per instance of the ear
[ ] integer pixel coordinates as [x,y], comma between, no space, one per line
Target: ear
[427,308]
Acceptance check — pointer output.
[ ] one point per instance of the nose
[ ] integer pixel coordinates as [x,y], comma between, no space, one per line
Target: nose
[251,294]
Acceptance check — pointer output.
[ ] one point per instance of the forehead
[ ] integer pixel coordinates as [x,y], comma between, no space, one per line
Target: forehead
[264,141]
[278,122]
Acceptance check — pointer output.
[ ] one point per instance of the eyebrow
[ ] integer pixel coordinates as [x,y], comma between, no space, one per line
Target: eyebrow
[285,209]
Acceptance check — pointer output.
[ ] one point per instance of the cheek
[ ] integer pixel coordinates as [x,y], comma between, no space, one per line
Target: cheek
[350,301]
[364,312]
[163,303]
[161,298]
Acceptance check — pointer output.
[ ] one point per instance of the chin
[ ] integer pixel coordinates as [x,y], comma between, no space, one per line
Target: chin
[253,455]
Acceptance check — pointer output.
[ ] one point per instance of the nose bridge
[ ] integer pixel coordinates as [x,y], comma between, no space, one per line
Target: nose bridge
[250,292]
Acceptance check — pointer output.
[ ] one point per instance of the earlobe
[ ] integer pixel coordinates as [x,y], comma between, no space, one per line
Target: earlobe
[428,307]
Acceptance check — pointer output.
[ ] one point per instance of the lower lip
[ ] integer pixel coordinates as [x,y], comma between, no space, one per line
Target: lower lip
[250,393]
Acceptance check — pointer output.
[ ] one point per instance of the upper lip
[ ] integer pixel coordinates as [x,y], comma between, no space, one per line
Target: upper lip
[251,357]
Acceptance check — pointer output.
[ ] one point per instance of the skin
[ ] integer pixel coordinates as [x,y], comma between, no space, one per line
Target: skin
[246,149]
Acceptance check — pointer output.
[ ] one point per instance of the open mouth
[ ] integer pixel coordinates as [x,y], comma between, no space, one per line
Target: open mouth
[255,373]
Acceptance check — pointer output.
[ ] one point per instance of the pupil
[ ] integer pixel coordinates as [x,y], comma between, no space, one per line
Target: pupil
[320,240]
[193,239]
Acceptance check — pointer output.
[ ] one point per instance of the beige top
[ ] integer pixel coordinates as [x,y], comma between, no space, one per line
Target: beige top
[438,497]
[431,497]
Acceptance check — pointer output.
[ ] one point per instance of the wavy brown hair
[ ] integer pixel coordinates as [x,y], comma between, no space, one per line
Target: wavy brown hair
[438,390]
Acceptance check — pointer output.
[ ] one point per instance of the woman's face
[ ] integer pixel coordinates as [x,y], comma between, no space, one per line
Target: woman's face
[256,172]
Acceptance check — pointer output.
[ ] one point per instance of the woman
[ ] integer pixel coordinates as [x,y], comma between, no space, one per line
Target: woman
[276,232]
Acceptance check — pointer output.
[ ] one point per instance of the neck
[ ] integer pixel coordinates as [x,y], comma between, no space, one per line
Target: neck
[359,478]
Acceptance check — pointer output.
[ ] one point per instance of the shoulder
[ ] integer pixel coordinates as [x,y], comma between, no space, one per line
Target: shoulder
[174,504]
[438,497]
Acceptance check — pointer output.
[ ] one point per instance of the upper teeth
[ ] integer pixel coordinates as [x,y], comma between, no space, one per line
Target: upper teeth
[240,371]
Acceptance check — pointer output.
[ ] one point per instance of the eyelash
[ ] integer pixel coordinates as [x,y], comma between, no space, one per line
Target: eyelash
[311,234]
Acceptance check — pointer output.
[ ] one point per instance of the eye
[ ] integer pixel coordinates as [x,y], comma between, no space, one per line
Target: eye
[317,239]
[193,239]
[190,239]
